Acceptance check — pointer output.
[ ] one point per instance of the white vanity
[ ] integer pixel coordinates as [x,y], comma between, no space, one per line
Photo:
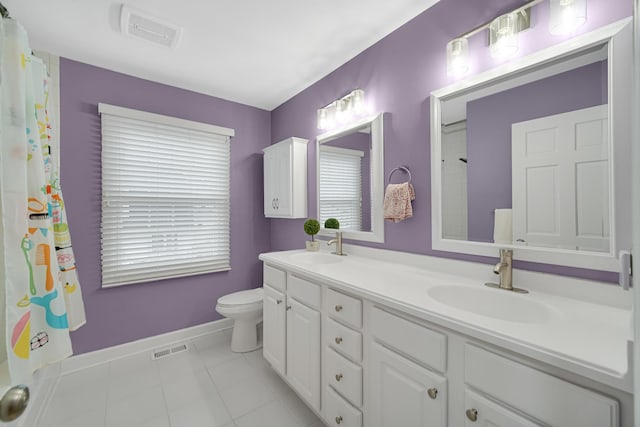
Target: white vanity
[380,338]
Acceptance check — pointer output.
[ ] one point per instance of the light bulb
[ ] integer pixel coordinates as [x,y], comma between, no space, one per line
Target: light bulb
[566,16]
[457,57]
[503,35]
[357,102]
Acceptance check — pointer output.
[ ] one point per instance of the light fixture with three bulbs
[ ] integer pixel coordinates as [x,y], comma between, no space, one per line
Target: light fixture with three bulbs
[565,17]
[342,110]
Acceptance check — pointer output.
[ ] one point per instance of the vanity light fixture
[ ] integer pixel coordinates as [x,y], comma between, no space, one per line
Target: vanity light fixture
[566,16]
[458,56]
[342,110]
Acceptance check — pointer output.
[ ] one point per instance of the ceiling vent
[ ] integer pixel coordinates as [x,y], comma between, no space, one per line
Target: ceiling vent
[138,24]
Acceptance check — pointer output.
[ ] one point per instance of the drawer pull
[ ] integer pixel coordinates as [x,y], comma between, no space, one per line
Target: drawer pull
[338,340]
[288,307]
[279,301]
[472,414]
[338,377]
[338,308]
[432,392]
[338,420]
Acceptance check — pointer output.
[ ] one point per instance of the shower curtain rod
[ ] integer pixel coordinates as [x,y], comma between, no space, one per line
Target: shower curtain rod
[3,11]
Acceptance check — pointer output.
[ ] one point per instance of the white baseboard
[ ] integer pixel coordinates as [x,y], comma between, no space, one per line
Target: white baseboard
[105,355]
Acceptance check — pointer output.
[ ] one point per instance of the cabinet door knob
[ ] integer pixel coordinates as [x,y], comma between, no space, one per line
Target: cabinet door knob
[338,340]
[288,307]
[338,307]
[432,392]
[338,419]
[338,377]
[279,301]
[13,403]
[472,414]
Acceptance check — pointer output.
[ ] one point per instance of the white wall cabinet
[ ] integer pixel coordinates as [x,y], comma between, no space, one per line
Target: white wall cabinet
[285,179]
[377,367]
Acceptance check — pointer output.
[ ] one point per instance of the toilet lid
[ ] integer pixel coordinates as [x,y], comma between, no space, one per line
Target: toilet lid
[250,296]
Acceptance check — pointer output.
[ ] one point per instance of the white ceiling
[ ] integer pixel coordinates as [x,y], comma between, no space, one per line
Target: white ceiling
[256,52]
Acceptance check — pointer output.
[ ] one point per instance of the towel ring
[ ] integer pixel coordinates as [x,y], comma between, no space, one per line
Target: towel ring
[403,168]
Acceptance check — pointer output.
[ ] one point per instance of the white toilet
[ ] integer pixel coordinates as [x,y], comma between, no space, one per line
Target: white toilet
[245,308]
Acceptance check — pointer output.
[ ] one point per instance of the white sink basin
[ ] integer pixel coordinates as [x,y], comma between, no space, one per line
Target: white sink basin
[316,258]
[495,303]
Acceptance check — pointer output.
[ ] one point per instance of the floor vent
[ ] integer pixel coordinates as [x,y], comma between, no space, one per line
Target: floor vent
[159,354]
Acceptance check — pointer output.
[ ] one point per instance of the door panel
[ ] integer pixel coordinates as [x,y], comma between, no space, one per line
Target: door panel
[274,329]
[400,391]
[303,351]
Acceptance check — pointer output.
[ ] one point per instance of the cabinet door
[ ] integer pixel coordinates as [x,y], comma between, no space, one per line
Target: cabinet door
[277,181]
[481,412]
[303,351]
[274,329]
[270,182]
[404,393]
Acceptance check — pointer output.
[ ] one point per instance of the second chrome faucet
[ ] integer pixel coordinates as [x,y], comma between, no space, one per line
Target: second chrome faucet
[504,268]
[338,242]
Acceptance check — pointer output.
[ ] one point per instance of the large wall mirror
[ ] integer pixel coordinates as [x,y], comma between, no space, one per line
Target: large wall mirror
[535,155]
[350,165]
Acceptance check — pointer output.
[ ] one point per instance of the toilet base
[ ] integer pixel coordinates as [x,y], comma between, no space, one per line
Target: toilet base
[245,336]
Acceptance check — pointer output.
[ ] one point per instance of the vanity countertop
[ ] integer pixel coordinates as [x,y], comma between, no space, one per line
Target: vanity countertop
[582,337]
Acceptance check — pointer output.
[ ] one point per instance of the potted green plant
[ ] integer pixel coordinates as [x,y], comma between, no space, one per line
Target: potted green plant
[332,223]
[312,227]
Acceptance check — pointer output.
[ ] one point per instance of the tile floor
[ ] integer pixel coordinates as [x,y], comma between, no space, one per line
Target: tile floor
[206,386]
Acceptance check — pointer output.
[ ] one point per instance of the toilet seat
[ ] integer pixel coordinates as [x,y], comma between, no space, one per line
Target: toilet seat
[249,297]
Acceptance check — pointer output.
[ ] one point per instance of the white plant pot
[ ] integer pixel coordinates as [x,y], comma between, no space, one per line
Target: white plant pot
[313,246]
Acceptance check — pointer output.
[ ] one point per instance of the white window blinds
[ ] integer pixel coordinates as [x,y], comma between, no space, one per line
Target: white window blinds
[341,186]
[165,197]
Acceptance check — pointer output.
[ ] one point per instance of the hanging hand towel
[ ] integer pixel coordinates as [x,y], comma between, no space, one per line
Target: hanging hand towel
[397,202]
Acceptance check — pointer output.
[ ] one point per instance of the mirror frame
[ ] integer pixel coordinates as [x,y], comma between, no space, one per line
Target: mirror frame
[618,39]
[377,178]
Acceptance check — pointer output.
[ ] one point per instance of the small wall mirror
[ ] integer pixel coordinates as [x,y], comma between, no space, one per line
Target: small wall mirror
[350,181]
[534,155]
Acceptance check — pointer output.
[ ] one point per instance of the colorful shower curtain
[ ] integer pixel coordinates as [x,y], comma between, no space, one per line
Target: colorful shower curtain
[40,297]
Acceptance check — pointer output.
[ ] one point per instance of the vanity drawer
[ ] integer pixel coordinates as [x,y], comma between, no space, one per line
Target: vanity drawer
[542,396]
[275,278]
[304,291]
[345,308]
[343,339]
[414,340]
[340,413]
[345,376]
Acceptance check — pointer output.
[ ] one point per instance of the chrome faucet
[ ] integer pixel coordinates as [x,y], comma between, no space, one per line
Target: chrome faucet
[504,269]
[338,242]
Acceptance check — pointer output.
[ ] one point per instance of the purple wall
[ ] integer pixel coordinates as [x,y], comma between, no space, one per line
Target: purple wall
[398,74]
[489,121]
[127,313]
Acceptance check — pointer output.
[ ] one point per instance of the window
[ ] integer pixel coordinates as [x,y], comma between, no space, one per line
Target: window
[165,197]
[341,186]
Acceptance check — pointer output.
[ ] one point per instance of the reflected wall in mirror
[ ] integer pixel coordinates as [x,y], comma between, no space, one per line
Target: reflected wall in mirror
[349,179]
[527,157]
